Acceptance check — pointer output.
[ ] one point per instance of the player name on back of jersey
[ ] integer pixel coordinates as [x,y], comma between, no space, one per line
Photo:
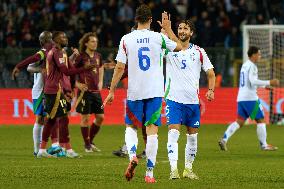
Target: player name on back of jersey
[143,40]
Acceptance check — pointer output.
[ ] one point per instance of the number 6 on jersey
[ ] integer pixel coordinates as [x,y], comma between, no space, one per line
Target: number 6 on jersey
[143,59]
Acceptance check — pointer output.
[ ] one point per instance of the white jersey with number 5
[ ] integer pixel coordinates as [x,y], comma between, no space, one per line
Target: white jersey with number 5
[183,73]
[142,50]
[249,82]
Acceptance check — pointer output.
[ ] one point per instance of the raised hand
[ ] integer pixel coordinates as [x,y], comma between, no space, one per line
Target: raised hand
[75,52]
[166,22]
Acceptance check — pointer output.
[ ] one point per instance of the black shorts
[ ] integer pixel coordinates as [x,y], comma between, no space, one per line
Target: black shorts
[89,103]
[55,106]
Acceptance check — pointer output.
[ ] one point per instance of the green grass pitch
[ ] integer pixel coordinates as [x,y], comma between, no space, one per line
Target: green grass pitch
[243,166]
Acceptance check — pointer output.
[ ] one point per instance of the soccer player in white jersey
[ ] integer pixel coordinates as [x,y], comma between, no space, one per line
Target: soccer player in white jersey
[45,39]
[142,49]
[248,102]
[182,97]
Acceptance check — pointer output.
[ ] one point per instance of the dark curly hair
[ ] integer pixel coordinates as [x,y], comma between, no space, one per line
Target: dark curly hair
[85,39]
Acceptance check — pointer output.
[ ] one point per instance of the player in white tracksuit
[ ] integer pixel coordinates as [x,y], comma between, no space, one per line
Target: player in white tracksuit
[248,102]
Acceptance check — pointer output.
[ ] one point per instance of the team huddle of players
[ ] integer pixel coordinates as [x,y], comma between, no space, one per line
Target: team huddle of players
[143,51]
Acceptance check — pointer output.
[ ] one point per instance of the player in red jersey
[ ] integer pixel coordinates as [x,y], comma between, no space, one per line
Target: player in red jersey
[56,104]
[89,101]
[38,61]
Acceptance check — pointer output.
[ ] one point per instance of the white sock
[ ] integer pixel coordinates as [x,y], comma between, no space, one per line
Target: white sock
[42,150]
[70,151]
[230,131]
[261,134]
[190,150]
[124,148]
[172,147]
[131,141]
[37,130]
[55,144]
[151,153]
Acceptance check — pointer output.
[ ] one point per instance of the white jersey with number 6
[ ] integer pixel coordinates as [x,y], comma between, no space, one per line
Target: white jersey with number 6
[183,73]
[249,82]
[142,50]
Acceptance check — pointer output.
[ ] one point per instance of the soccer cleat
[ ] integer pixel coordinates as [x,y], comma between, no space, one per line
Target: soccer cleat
[142,155]
[129,173]
[44,154]
[188,173]
[35,154]
[88,149]
[223,145]
[72,154]
[174,175]
[54,150]
[95,148]
[269,147]
[61,154]
[120,153]
[149,179]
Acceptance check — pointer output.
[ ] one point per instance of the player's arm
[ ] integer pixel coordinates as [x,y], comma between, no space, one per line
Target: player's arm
[101,77]
[118,72]
[209,69]
[211,84]
[253,78]
[121,59]
[81,86]
[74,56]
[33,68]
[166,25]
[72,70]
[31,59]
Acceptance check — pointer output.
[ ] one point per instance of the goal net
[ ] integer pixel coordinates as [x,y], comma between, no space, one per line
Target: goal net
[270,40]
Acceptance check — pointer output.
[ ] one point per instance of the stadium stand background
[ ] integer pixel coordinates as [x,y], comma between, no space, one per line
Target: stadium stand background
[218,23]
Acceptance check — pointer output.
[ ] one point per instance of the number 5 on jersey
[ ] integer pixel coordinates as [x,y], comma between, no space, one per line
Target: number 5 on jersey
[144,60]
[183,64]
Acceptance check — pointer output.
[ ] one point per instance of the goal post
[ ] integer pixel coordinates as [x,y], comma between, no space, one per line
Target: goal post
[270,40]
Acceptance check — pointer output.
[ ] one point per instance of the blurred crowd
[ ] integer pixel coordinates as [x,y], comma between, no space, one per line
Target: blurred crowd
[218,22]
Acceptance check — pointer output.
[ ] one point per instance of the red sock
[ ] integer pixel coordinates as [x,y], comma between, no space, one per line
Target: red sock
[49,125]
[68,146]
[54,133]
[85,135]
[63,130]
[94,131]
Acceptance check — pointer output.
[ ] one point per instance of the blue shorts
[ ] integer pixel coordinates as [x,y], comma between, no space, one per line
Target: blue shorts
[149,108]
[184,114]
[252,109]
[38,107]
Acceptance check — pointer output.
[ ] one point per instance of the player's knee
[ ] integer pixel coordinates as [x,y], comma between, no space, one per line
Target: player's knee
[174,126]
[100,118]
[241,122]
[39,120]
[84,121]
[260,121]
[151,130]
[191,130]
